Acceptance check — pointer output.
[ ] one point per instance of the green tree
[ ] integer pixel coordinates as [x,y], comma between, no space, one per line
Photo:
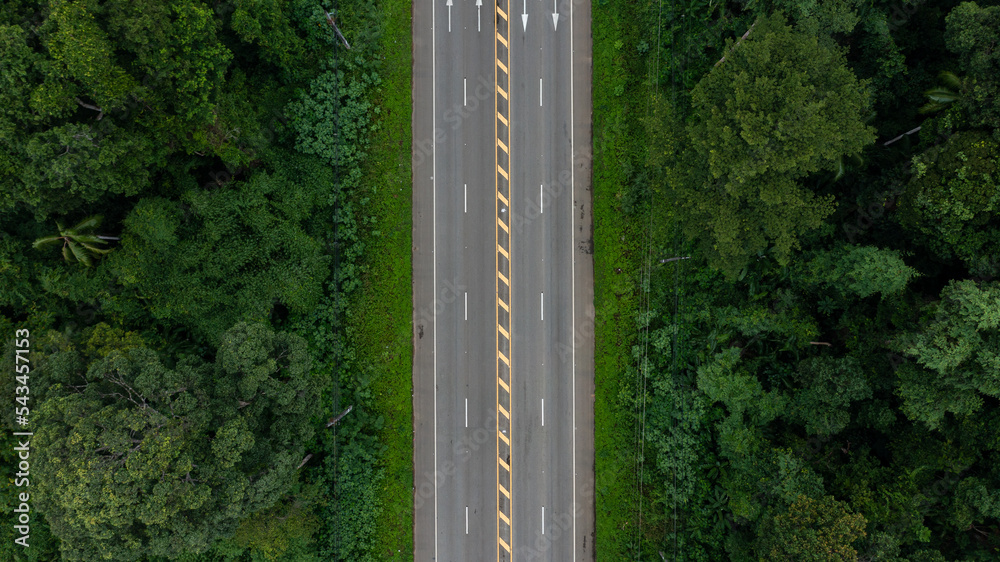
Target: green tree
[268,25]
[83,54]
[972,32]
[953,200]
[826,389]
[857,271]
[820,530]
[814,16]
[219,256]
[78,242]
[139,460]
[957,351]
[102,93]
[740,391]
[976,500]
[780,107]
[282,532]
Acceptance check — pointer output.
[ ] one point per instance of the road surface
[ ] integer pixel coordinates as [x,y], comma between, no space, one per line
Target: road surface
[503,281]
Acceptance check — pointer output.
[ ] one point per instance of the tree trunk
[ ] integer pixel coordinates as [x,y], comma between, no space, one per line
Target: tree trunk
[329,19]
[100,112]
[304,461]
[333,421]
[745,35]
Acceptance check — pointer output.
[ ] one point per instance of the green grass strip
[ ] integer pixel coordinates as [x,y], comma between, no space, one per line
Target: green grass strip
[383,310]
[619,241]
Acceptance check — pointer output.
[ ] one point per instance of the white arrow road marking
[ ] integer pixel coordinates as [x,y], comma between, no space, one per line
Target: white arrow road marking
[449,16]
[524,16]
[479,15]
[555,15]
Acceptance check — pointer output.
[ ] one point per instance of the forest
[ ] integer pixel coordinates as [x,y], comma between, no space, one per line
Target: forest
[819,379]
[186,207]
[797,268]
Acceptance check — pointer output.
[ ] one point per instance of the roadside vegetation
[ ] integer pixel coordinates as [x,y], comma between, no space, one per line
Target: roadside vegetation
[816,380]
[219,198]
[619,91]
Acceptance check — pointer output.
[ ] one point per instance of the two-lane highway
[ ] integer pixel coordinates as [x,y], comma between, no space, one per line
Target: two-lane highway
[503,322]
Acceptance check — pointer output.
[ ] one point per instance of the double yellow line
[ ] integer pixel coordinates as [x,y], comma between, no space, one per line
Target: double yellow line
[504,476]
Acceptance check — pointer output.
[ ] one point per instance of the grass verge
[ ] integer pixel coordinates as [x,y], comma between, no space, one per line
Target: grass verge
[380,328]
[619,97]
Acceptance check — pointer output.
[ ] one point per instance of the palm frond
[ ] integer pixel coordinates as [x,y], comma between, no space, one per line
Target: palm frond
[841,169]
[66,254]
[94,249]
[943,95]
[88,223]
[89,238]
[949,79]
[932,107]
[45,242]
[79,253]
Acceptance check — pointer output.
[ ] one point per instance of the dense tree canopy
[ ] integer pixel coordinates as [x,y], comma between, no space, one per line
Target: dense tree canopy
[813,530]
[957,351]
[953,199]
[972,33]
[839,402]
[181,239]
[98,94]
[217,256]
[137,459]
[780,107]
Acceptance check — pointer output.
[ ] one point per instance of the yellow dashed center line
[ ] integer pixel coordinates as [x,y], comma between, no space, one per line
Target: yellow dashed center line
[505,477]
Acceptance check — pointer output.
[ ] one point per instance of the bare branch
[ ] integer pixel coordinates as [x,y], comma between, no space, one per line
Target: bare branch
[745,35]
[333,421]
[329,19]
[100,112]
[304,461]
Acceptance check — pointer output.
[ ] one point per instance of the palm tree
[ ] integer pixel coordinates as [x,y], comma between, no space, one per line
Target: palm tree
[942,96]
[844,164]
[78,241]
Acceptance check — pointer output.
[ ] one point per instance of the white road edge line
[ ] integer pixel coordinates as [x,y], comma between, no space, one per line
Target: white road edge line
[465,91]
[466,412]
[543,519]
[541,205]
[539,92]
[465,197]
[572,169]
[543,412]
[434,247]
[542,306]
[466,305]
[466,520]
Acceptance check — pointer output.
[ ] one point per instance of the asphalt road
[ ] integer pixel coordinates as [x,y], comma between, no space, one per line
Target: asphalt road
[455,282]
